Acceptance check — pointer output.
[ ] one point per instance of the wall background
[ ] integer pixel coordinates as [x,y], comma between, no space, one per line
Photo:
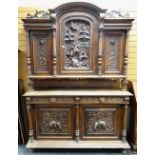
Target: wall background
[30,6]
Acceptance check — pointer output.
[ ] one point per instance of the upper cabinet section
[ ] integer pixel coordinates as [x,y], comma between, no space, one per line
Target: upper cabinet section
[77,40]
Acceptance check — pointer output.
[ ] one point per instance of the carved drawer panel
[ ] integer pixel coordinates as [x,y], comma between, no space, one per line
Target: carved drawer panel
[40,51]
[55,122]
[114,48]
[100,122]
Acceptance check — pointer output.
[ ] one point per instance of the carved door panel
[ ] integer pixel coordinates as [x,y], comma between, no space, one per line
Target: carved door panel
[100,122]
[114,52]
[55,122]
[77,43]
[40,51]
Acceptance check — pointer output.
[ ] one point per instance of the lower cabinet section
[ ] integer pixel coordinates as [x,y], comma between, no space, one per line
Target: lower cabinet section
[101,122]
[93,122]
[77,121]
[55,122]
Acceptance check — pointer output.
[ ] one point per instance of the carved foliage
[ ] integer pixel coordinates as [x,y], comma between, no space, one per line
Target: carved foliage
[100,122]
[53,122]
[76,42]
[41,54]
[112,53]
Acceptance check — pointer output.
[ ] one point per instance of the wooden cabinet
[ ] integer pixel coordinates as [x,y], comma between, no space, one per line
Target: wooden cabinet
[77,64]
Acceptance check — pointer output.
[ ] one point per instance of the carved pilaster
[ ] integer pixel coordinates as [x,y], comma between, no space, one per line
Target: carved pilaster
[77,131]
[53,17]
[101,27]
[124,131]
[29,111]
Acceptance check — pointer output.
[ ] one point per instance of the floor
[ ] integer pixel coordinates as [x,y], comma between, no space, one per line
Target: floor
[23,151]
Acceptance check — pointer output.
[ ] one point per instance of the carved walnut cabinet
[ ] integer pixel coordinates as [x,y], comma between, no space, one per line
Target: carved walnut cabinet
[77,65]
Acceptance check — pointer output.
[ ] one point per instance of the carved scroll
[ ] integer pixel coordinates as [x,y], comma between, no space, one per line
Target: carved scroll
[76,44]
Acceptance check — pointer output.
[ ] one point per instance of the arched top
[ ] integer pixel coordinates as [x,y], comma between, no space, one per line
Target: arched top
[77,6]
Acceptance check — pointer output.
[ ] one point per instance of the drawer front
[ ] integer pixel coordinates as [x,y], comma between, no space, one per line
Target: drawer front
[54,122]
[100,122]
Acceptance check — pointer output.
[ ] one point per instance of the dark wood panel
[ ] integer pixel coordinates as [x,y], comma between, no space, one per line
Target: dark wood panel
[114,52]
[100,122]
[55,122]
[77,39]
[41,53]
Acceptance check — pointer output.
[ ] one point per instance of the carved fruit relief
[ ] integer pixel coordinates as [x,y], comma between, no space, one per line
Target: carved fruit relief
[76,44]
[101,122]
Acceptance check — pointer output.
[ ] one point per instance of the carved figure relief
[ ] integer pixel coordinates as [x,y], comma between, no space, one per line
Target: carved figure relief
[101,122]
[53,122]
[41,54]
[76,44]
[112,53]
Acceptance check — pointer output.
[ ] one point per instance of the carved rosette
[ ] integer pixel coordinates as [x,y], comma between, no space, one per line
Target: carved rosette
[53,122]
[100,122]
[76,44]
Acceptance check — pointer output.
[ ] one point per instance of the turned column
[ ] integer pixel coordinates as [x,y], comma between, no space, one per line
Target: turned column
[53,17]
[29,112]
[124,80]
[30,82]
[101,27]
[125,113]
[77,131]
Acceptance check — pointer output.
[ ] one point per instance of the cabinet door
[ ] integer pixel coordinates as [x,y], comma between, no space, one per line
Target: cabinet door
[113,52]
[77,43]
[100,122]
[55,122]
[40,51]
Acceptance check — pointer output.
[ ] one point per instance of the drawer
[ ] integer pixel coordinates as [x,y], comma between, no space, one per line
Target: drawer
[55,122]
[101,122]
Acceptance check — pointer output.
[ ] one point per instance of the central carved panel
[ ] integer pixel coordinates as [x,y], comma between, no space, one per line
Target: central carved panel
[100,122]
[76,44]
